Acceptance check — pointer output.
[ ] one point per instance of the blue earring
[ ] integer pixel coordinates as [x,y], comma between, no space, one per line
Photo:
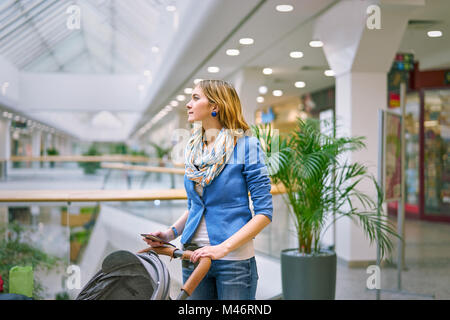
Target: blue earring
[214,113]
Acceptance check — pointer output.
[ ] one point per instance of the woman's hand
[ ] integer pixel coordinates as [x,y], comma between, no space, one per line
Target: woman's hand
[164,235]
[214,252]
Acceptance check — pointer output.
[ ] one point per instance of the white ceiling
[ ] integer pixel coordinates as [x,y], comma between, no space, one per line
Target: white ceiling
[432,53]
[276,35]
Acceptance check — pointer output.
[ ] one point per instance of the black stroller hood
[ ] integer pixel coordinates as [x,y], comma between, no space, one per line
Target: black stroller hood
[128,276]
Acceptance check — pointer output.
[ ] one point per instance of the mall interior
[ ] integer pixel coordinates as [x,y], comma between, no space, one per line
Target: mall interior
[93,102]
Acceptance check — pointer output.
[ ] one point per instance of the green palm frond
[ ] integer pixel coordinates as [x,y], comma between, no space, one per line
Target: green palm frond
[161,151]
[319,181]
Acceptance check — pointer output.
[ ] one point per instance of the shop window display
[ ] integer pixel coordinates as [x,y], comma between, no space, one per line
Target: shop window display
[412,110]
[412,157]
[436,152]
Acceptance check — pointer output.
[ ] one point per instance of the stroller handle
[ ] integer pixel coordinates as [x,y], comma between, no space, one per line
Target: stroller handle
[197,275]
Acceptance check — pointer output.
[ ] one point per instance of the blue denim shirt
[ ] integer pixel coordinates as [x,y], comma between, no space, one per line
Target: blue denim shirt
[225,201]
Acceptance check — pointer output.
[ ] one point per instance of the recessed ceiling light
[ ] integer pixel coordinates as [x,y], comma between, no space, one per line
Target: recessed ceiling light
[174,103]
[262,90]
[316,43]
[246,41]
[171,8]
[147,73]
[329,73]
[260,99]
[267,71]
[277,93]
[188,91]
[296,54]
[434,34]
[197,81]
[284,8]
[233,52]
[213,69]
[300,84]
[155,49]
[181,97]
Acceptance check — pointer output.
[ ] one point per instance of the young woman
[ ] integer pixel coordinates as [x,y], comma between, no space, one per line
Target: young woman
[222,166]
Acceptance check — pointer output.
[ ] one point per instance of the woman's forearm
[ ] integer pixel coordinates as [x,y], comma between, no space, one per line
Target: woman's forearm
[180,224]
[243,235]
[246,233]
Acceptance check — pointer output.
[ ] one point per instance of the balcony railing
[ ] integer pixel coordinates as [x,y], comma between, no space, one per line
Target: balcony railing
[59,222]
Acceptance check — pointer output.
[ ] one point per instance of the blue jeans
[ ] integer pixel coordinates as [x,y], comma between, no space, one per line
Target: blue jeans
[226,280]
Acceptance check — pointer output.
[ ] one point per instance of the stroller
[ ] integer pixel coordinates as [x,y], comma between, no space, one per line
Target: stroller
[142,276]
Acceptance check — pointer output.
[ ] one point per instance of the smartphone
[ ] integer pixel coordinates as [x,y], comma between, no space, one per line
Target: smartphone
[155,238]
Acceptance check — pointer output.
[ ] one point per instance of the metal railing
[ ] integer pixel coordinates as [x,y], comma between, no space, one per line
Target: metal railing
[54,220]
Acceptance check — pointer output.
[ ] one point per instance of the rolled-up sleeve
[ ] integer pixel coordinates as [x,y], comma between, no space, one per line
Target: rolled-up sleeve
[257,177]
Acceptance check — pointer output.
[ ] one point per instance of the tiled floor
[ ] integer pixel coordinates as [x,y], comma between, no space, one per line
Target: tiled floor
[427,272]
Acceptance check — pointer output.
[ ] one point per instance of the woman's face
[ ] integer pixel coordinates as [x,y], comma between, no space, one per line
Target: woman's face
[199,108]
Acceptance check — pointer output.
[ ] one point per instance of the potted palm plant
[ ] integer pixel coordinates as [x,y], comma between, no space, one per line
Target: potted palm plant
[319,186]
[52,152]
[91,167]
[161,152]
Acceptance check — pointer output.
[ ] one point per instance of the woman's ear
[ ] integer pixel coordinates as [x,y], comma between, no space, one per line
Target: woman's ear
[215,108]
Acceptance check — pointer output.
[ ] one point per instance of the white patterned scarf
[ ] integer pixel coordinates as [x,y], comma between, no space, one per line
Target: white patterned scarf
[202,166]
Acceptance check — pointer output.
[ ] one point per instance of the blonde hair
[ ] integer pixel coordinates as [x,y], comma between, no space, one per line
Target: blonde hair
[224,95]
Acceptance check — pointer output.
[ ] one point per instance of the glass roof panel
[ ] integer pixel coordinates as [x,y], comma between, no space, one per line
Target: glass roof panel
[6,6]
[115,36]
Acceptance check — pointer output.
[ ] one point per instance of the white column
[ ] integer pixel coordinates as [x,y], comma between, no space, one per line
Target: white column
[182,117]
[68,148]
[47,145]
[52,140]
[63,146]
[361,58]
[5,146]
[359,96]
[36,146]
[246,82]
[69,144]
[57,143]
[77,147]
[47,142]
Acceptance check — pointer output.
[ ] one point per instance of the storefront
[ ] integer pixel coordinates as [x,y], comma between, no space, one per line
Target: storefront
[427,134]
[427,146]
[283,116]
